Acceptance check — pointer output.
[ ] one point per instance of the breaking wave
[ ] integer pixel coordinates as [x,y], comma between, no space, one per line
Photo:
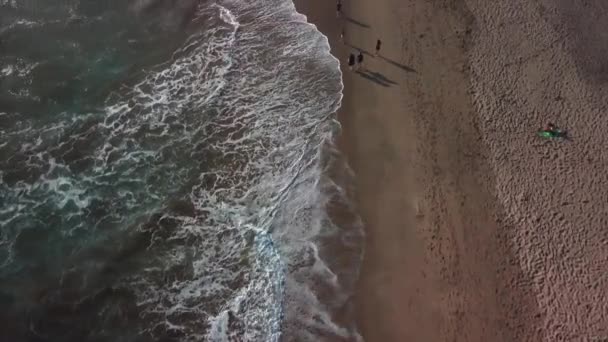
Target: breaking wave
[194,203]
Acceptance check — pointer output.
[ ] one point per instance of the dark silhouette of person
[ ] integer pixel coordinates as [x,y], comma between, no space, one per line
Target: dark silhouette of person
[351,61]
[378,46]
[360,60]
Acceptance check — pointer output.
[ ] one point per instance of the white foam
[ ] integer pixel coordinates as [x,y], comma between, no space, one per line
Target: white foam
[254,260]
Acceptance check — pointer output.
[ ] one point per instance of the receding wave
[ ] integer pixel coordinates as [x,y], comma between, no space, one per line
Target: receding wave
[194,203]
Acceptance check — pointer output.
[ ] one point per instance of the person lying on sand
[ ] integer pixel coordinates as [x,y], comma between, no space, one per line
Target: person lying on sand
[551,131]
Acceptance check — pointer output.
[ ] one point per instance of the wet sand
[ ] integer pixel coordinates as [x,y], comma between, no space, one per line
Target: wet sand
[477,229]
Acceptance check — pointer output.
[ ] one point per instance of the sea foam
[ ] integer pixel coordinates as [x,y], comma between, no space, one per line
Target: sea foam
[206,181]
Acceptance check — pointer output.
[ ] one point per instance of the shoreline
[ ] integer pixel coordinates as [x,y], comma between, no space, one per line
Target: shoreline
[476,228]
[432,271]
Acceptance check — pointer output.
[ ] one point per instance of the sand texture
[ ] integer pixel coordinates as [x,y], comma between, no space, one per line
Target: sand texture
[477,229]
[534,62]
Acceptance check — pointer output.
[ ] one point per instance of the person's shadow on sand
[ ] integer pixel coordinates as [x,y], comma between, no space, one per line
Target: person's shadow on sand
[381,77]
[389,61]
[398,65]
[376,77]
[356,22]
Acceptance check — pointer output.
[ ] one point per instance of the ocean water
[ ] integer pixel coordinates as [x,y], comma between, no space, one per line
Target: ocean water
[167,173]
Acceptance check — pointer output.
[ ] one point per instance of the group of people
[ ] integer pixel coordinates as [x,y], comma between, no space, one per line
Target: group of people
[355,62]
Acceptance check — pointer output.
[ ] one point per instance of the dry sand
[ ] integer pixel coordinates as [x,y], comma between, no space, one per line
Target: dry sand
[477,229]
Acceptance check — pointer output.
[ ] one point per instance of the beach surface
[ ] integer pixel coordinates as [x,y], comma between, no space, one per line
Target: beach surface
[477,229]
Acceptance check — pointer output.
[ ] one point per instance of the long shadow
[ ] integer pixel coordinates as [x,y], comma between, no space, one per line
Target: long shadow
[381,77]
[373,78]
[398,65]
[356,22]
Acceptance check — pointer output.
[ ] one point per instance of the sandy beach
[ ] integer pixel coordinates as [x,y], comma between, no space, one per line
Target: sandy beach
[477,229]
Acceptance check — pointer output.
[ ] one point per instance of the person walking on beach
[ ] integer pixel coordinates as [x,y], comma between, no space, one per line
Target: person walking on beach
[339,9]
[360,61]
[351,61]
[378,46]
[342,35]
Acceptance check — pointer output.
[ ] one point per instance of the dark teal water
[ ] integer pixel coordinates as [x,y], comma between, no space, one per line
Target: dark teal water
[161,167]
[64,241]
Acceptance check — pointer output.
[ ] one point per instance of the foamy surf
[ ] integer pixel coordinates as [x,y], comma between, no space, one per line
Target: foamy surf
[198,196]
